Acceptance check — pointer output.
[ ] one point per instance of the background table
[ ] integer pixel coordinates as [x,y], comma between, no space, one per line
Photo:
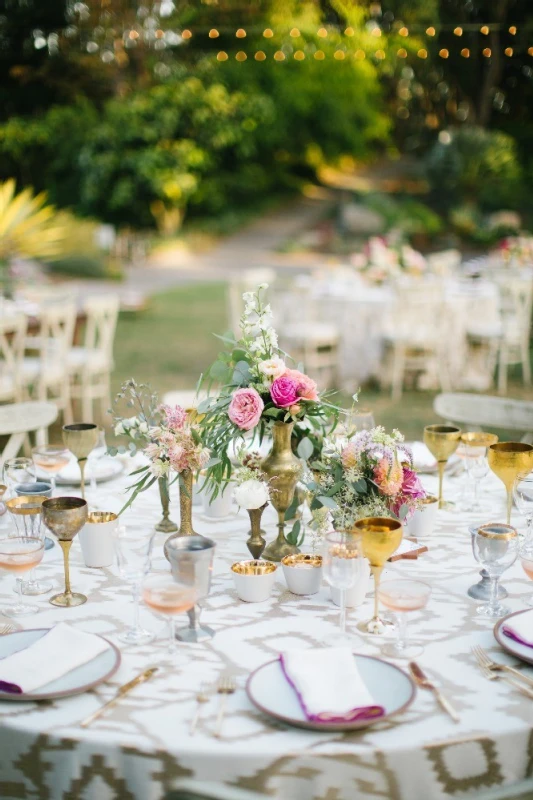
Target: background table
[142,746]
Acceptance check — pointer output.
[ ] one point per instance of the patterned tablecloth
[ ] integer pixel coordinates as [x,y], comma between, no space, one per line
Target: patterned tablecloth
[143,746]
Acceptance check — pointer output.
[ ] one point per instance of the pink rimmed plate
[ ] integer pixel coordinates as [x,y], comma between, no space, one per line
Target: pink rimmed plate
[521,651]
[270,692]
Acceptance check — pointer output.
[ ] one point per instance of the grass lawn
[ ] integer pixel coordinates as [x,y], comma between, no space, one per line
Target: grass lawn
[172,342]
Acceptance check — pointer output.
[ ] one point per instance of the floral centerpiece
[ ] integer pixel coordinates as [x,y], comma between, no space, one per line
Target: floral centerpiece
[517,250]
[385,258]
[369,475]
[260,393]
[171,443]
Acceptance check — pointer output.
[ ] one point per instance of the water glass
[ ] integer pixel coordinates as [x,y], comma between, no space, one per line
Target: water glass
[340,564]
[17,470]
[495,547]
[133,550]
[403,595]
[523,498]
[98,452]
[168,597]
[50,459]
[26,518]
[19,554]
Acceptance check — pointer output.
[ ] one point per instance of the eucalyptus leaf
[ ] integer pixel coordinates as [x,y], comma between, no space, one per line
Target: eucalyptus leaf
[327,501]
[305,448]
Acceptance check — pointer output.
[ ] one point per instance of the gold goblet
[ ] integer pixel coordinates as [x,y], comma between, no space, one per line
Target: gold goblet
[442,441]
[380,537]
[65,516]
[81,438]
[508,460]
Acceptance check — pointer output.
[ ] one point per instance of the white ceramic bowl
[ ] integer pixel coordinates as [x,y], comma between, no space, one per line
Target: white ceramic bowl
[254,580]
[96,538]
[303,573]
[423,520]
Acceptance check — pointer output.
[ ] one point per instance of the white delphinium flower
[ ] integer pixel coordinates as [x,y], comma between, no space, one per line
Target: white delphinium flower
[119,429]
[251,494]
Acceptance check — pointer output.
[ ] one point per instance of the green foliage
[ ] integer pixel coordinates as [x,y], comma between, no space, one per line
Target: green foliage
[87,266]
[477,166]
[409,216]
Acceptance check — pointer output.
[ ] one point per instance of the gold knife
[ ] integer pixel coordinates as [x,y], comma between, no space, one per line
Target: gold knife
[144,676]
[422,680]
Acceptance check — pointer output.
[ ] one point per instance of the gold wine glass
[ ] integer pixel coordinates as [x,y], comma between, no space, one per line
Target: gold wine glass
[80,439]
[65,517]
[508,460]
[442,441]
[380,537]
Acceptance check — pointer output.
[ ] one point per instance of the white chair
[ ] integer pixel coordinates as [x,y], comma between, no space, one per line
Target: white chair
[517,301]
[45,374]
[18,420]
[245,281]
[416,333]
[483,411]
[90,366]
[12,340]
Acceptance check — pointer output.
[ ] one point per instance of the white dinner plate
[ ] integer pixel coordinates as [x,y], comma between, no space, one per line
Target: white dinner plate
[521,651]
[103,470]
[78,680]
[269,690]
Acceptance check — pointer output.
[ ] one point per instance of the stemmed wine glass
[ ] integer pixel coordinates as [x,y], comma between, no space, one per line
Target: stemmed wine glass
[403,595]
[51,458]
[473,449]
[495,546]
[163,594]
[523,498]
[25,512]
[80,438]
[19,554]
[508,460]
[95,455]
[18,470]
[134,553]
[65,517]
[442,441]
[340,563]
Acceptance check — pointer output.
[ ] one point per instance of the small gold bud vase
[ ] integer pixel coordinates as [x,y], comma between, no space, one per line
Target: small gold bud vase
[185,528]
[284,471]
[165,525]
[256,543]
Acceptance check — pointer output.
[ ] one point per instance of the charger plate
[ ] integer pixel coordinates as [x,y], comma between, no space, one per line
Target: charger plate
[104,469]
[78,680]
[521,651]
[271,693]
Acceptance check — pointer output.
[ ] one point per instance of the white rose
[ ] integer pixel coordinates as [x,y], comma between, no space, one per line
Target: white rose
[132,422]
[251,494]
[273,367]
[143,427]
[119,429]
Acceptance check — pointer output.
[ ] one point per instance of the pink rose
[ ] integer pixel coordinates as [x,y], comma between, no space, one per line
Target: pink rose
[245,408]
[284,392]
[305,386]
[175,417]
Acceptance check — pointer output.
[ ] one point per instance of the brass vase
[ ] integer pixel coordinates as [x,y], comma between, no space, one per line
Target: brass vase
[185,528]
[165,525]
[284,470]
[256,542]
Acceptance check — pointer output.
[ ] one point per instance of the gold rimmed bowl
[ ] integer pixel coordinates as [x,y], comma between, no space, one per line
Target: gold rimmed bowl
[26,514]
[254,579]
[303,572]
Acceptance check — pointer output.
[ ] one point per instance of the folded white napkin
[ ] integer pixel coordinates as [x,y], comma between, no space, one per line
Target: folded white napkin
[328,685]
[55,654]
[422,458]
[520,628]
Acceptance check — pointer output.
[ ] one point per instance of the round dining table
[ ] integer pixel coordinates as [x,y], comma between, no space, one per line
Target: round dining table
[142,747]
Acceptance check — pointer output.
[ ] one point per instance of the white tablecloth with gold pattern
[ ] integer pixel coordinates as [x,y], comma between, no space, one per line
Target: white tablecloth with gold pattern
[143,746]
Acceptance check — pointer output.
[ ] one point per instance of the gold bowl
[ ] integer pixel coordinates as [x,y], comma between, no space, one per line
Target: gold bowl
[65,516]
[508,461]
[302,560]
[254,567]
[101,516]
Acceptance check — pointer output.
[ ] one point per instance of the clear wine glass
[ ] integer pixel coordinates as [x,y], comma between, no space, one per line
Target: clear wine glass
[51,459]
[95,455]
[17,470]
[495,547]
[340,565]
[134,551]
[523,498]
[26,518]
[20,554]
[165,595]
[403,595]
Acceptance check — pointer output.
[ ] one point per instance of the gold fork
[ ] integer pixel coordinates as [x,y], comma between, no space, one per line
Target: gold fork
[226,685]
[485,659]
[492,676]
[6,628]
[201,697]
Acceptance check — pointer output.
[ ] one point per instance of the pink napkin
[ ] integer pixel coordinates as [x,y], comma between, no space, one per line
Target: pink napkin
[328,685]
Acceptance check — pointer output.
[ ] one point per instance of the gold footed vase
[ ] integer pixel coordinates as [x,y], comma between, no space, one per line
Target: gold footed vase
[283,470]
[165,525]
[256,541]
[185,528]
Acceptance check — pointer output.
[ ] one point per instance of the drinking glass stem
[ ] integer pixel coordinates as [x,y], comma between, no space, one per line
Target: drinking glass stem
[342,618]
[136,591]
[65,546]
[19,590]
[509,505]
[529,530]
[171,634]
[53,484]
[82,462]
[475,486]
[401,638]
[440,466]
[493,600]
[376,572]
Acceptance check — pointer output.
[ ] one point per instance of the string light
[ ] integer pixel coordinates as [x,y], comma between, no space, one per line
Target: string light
[268,33]
[240,34]
[186,34]
[213,33]
[349,32]
[260,56]
[380,54]
[322,32]
[465,52]
[159,33]
[530,51]
[458,31]
[485,30]
[222,56]
[404,31]
[376,31]
[360,55]
[512,30]
[319,55]
[508,51]
[133,34]
[422,53]
[294,33]
[279,56]
[299,55]
[431,31]
[339,55]
[487,52]
[241,56]
[444,53]
[402,53]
